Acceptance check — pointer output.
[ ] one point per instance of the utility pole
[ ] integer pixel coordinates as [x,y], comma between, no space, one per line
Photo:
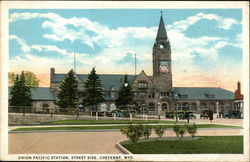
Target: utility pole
[74,62]
[135,64]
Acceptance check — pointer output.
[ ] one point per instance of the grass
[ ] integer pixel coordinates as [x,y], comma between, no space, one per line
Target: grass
[109,127]
[62,122]
[201,145]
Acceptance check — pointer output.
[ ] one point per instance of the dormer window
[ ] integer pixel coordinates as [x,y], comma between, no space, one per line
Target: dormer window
[142,85]
[112,93]
[209,95]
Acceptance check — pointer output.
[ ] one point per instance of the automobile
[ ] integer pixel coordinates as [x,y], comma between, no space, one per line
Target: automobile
[233,114]
[117,113]
[184,115]
[205,114]
[170,115]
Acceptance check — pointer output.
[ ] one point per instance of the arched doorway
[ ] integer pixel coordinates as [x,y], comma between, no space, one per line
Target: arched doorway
[151,107]
[164,106]
[45,107]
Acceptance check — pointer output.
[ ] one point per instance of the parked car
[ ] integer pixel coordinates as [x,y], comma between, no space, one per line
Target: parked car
[233,114]
[184,115]
[170,115]
[205,114]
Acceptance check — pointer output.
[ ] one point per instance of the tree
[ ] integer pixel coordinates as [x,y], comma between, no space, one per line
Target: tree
[159,130]
[68,93]
[93,94]
[133,132]
[20,92]
[176,129]
[147,131]
[191,129]
[30,78]
[125,95]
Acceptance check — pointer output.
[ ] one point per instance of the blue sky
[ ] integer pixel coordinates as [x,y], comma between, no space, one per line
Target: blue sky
[206,43]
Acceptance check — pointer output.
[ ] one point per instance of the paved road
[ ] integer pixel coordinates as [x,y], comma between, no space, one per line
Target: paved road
[81,142]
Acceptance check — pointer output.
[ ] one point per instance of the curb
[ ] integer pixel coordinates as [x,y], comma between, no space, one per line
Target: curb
[122,149]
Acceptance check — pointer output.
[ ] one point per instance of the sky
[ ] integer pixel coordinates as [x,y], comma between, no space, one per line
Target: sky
[206,44]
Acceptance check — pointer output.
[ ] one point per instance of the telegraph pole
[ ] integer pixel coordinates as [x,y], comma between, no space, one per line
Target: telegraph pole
[74,62]
[135,64]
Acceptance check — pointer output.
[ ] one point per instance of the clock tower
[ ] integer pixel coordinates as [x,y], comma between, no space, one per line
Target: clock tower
[162,71]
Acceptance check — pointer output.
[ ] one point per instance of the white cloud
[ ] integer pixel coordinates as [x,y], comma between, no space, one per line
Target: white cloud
[24,46]
[223,23]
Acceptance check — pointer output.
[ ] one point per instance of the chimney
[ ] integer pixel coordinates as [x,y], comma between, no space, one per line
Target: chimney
[52,72]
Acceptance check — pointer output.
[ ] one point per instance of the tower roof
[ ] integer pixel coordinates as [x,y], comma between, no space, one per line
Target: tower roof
[161,30]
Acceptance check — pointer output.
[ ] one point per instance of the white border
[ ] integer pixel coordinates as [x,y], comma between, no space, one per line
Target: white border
[6,5]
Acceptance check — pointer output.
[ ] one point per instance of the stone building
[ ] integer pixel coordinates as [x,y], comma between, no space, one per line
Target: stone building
[153,94]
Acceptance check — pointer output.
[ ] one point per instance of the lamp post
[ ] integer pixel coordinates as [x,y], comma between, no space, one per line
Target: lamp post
[175,104]
[78,113]
[217,109]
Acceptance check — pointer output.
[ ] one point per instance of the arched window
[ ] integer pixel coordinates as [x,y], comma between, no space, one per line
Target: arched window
[45,106]
[103,107]
[161,46]
[193,107]
[112,107]
[164,107]
[151,107]
[203,106]
[185,106]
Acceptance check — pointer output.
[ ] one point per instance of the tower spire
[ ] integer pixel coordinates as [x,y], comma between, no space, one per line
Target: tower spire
[161,34]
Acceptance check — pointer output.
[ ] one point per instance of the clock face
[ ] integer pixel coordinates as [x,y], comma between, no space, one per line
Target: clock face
[164,66]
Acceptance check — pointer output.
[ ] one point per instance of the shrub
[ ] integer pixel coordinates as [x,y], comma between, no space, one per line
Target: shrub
[182,131]
[176,129]
[159,130]
[133,132]
[191,129]
[147,131]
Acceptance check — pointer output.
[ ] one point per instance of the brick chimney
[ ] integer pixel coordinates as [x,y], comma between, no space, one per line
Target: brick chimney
[237,94]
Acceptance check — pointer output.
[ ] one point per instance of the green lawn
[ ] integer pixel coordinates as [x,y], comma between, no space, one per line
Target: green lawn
[61,122]
[108,127]
[202,145]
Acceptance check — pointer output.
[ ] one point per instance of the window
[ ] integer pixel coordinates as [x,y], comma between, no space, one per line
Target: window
[209,95]
[161,46]
[151,95]
[142,85]
[151,107]
[112,94]
[164,107]
[163,94]
[141,94]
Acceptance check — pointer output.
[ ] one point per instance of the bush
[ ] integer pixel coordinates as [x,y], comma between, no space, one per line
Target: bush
[191,129]
[133,132]
[159,130]
[176,129]
[147,131]
[182,131]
